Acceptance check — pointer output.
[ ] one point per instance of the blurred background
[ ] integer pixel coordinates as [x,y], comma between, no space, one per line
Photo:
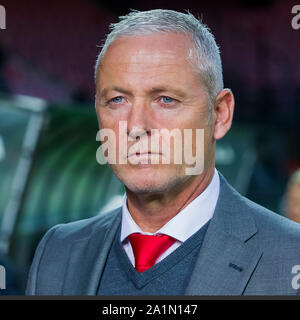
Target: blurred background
[48,125]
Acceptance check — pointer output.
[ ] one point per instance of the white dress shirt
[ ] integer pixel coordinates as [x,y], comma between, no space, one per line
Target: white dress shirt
[181,227]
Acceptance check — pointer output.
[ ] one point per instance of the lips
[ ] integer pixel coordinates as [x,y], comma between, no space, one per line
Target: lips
[142,148]
[143,153]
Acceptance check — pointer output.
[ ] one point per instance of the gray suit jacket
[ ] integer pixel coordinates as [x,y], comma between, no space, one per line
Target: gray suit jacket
[247,250]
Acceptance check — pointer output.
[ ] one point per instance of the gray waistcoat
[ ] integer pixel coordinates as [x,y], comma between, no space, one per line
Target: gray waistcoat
[168,277]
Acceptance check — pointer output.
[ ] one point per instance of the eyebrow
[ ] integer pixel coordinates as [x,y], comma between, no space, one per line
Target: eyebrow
[177,92]
[153,90]
[104,92]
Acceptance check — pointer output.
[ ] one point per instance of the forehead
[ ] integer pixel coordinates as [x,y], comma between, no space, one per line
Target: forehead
[148,56]
[153,49]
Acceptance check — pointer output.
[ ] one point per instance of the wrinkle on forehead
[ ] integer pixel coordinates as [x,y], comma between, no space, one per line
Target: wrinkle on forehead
[152,58]
[144,56]
[169,46]
[152,51]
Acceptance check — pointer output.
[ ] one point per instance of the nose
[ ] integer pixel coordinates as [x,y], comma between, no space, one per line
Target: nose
[138,121]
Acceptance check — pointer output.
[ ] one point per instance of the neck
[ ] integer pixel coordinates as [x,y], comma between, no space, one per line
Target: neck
[151,212]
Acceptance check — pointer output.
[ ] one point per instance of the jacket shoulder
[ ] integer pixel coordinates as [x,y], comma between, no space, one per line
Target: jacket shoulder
[51,256]
[273,223]
[83,228]
[269,223]
[244,211]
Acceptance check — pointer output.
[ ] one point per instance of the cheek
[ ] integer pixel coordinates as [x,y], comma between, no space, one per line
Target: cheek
[209,135]
[108,121]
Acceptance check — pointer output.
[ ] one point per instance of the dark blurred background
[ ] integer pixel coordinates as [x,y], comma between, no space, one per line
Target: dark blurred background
[48,125]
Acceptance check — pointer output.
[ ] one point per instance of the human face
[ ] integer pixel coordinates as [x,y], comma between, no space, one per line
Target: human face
[149,82]
[293,202]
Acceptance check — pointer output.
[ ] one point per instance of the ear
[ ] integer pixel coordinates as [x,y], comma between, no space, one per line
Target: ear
[223,109]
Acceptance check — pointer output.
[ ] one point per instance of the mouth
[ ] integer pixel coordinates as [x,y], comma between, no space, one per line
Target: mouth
[144,158]
[143,154]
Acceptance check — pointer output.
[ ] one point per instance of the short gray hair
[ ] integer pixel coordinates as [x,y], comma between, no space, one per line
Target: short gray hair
[208,58]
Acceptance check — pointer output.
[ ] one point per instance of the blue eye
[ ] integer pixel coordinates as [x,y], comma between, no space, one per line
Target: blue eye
[167,99]
[117,99]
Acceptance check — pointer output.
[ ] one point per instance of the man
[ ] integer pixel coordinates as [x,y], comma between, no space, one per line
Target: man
[292,197]
[179,232]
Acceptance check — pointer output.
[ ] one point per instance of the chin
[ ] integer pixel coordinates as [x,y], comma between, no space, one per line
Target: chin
[149,180]
[146,188]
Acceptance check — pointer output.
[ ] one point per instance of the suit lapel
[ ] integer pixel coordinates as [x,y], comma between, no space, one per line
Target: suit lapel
[230,251]
[224,265]
[89,256]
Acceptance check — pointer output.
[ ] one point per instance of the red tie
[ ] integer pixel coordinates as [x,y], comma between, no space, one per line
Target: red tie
[148,248]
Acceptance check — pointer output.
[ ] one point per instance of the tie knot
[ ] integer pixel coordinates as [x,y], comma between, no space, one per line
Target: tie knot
[148,248]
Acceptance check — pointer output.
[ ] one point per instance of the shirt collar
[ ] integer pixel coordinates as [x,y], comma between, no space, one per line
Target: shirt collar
[188,221]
